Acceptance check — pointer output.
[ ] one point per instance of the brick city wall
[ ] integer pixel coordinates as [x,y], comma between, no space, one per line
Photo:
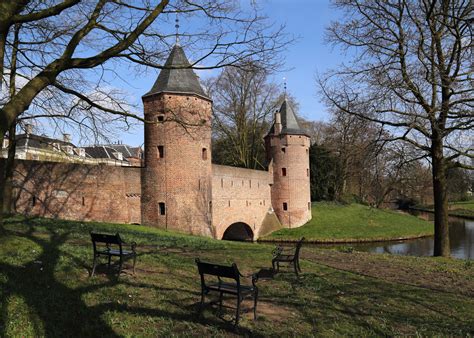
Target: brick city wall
[77,191]
[241,196]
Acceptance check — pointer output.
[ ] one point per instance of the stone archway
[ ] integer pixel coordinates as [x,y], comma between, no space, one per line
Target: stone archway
[238,231]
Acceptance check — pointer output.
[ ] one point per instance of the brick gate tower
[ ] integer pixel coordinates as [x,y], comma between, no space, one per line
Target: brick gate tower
[176,180]
[287,146]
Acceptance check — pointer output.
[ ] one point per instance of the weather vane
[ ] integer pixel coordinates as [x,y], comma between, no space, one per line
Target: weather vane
[177,28]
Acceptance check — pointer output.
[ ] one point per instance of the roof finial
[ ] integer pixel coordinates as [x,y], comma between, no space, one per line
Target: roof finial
[284,87]
[177,28]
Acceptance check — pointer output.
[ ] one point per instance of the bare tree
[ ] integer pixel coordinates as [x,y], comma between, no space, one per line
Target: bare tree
[59,40]
[244,102]
[411,72]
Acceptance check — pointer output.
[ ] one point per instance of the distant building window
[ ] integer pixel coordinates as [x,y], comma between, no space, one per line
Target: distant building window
[204,153]
[33,201]
[162,207]
[283,149]
[285,206]
[68,150]
[210,206]
[81,152]
[161,151]
[161,118]
[83,201]
[118,155]
[283,171]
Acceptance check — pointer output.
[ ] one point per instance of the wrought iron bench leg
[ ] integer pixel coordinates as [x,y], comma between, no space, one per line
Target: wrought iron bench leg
[120,267]
[94,264]
[295,265]
[255,305]
[237,315]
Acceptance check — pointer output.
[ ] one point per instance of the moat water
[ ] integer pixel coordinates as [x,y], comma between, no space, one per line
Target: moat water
[461,235]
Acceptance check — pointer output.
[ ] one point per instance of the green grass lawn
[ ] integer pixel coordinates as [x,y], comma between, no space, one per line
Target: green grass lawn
[355,222]
[462,209]
[468,205]
[45,289]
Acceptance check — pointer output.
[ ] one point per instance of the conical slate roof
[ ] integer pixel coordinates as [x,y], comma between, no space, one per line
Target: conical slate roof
[176,78]
[289,122]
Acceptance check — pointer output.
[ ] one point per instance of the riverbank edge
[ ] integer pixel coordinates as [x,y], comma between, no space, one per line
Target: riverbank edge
[451,213]
[344,241]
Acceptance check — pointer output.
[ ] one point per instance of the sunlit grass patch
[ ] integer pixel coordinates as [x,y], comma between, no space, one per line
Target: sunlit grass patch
[355,222]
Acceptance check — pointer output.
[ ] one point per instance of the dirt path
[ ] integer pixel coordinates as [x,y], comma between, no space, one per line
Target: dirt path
[454,276]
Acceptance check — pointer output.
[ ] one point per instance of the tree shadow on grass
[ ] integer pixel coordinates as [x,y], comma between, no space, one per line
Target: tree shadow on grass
[57,309]
[345,303]
[57,306]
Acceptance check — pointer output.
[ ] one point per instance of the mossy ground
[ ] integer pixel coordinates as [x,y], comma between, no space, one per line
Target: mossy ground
[45,289]
[355,222]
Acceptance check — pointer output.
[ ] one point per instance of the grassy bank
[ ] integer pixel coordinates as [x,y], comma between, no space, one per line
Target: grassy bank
[462,209]
[45,289]
[355,222]
[459,209]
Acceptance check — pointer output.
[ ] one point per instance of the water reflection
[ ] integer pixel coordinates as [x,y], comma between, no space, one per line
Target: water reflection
[461,234]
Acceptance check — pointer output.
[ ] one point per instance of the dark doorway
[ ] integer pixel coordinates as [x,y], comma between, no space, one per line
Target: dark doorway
[238,232]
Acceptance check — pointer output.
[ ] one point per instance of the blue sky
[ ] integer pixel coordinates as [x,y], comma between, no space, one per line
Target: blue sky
[306,20]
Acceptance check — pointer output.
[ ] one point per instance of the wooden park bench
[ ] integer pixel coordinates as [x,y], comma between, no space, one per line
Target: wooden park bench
[224,279]
[290,255]
[112,246]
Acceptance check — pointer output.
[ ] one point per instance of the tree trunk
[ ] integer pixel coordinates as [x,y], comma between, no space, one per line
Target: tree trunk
[2,185]
[441,225]
[9,166]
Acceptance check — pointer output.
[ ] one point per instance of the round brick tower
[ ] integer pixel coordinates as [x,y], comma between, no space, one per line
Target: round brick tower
[287,147]
[176,179]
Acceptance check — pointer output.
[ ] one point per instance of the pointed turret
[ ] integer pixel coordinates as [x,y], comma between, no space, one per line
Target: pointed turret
[176,179]
[177,76]
[287,146]
[285,121]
